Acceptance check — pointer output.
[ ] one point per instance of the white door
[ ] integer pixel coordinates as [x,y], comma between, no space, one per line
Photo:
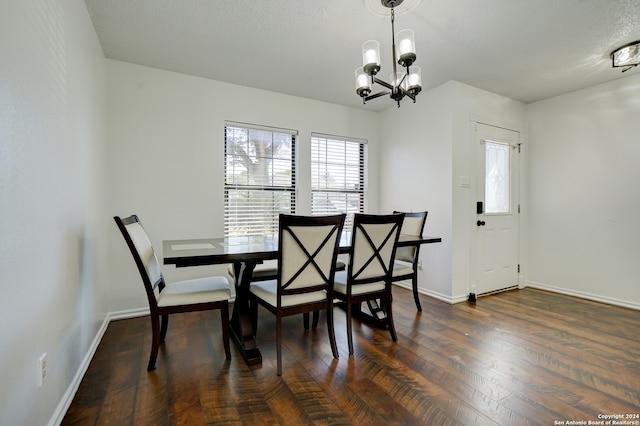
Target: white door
[497,210]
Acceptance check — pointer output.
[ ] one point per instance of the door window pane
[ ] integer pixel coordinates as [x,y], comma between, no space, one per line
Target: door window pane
[497,192]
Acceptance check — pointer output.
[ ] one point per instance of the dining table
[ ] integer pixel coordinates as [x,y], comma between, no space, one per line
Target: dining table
[244,253]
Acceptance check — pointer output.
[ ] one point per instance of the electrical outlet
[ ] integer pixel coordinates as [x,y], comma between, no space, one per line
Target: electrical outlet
[42,369]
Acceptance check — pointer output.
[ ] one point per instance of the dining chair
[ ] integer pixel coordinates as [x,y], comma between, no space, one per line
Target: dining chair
[268,270]
[405,266]
[164,299]
[307,252]
[368,274]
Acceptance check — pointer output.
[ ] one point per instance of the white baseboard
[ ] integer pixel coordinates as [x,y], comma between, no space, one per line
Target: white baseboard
[67,398]
[581,294]
[443,297]
[130,313]
[584,295]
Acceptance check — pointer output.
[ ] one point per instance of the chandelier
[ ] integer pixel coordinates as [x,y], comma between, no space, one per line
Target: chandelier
[406,82]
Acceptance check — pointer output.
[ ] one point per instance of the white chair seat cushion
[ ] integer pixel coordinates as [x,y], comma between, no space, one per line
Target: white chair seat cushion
[340,285]
[402,268]
[267,291]
[199,290]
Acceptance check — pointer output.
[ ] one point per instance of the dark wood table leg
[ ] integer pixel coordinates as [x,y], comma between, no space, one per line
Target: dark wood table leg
[241,330]
[376,316]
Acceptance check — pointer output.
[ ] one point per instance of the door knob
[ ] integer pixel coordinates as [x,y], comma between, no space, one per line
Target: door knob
[480,223]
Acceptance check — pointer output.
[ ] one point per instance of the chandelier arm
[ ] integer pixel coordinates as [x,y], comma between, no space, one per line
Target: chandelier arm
[408,94]
[383,83]
[377,95]
[403,78]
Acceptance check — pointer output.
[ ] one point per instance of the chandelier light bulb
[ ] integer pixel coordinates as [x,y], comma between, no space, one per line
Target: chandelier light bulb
[415,78]
[414,82]
[363,85]
[406,48]
[371,57]
[399,86]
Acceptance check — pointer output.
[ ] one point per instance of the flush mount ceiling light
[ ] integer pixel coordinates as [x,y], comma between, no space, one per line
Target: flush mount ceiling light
[626,56]
[404,83]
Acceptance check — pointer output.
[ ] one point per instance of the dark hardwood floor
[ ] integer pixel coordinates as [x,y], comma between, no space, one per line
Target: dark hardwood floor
[515,358]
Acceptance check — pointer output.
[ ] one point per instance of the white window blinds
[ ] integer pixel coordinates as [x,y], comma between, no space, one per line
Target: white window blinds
[338,176]
[260,178]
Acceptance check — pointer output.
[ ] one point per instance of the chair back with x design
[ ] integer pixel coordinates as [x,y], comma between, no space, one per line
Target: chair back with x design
[374,244]
[368,277]
[307,253]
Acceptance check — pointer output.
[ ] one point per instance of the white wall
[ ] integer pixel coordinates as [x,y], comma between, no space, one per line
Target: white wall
[427,147]
[166,157]
[584,197]
[51,200]
[416,175]
[469,106]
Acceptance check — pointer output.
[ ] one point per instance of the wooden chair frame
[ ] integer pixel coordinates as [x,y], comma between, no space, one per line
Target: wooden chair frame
[412,256]
[288,287]
[160,314]
[361,276]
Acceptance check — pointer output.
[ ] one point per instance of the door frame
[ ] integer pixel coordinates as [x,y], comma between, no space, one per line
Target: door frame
[521,185]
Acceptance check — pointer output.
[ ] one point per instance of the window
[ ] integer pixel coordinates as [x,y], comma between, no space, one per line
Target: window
[260,178]
[497,193]
[338,176]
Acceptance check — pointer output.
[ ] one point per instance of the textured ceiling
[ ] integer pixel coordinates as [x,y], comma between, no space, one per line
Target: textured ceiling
[524,49]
